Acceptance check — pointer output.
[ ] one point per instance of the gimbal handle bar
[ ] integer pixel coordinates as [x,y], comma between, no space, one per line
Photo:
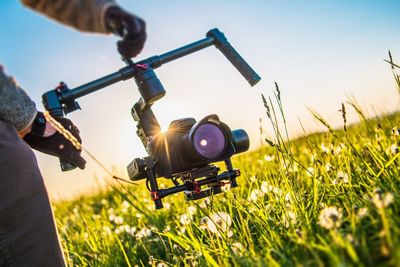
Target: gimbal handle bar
[54,101]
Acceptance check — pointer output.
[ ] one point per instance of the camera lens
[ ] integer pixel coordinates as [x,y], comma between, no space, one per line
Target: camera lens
[209,141]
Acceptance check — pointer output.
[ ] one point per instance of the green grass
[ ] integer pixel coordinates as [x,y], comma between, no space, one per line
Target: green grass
[330,198]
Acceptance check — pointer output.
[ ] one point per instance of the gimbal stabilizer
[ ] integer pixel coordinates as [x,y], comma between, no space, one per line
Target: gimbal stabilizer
[188,148]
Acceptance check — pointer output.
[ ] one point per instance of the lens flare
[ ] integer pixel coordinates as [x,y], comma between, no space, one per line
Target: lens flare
[203,142]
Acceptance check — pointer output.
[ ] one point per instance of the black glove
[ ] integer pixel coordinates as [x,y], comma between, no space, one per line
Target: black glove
[131,28]
[56,144]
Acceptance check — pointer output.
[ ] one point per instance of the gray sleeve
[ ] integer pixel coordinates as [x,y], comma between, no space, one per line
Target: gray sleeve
[16,107]
[84,15]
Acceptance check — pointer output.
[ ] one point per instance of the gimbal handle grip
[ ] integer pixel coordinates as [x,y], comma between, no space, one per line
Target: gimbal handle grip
[233,56]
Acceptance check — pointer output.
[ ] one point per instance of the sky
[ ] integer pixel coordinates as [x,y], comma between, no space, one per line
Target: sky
[319,52]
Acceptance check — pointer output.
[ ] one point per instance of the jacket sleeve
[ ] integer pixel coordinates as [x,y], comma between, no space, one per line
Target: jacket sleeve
[16,107]
[83,15]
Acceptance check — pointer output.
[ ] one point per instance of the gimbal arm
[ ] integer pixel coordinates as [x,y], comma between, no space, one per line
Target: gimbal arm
[62,100]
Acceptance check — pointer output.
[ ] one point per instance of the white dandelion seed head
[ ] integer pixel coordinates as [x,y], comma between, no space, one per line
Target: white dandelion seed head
[184,219]
[216,222]
[310,171]
[237,248]
[394,149]
[330,217]
[125,204]
[381,200]
[118,220]
[269,157]
[362,212]
[144,232]
[255,194]
[192,210]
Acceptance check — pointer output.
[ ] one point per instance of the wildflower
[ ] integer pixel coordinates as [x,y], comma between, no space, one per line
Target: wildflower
[167,205]
[139,215]
[162,264]
[394,149]
[350,238]
[184,219]
[381,200]
[107,229]
[337,150]
[216,222]
[125,204]
[192,210]
[253,178]
[328,167]
[269,157]
[255,194]
[310,171]
[104,202]
[96,216]
[289,219]
[362,212]
[288,197]
[118,220]
[343,177]
[111,217]
[144,232]
[330,217]
[238,248]
[325,149]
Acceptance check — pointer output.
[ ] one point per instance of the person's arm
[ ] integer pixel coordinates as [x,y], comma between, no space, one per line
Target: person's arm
[84,15]
[16,107]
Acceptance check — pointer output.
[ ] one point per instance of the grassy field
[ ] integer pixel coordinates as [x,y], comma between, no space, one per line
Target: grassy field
[330,198]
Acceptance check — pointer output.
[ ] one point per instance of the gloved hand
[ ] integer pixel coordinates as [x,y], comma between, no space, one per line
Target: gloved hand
[131,28]
[52,142]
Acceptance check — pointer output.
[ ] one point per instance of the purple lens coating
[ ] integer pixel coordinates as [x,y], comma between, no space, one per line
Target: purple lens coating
[209,141]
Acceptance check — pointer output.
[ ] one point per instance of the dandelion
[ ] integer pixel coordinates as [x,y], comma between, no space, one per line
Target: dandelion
[381,200]
[328,167]
[325,149]
[96,217]
[253,178]
[343,177]
[255,194]
[107,230]
[289,219]
[361,212]
[216,222]
[237,248]
[184,219]
[144,232]
[394,149]
[330,217]
[118,220]
[192,210]
[269,157]
[310,171]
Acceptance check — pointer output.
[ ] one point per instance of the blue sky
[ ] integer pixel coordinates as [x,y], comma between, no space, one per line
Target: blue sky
[318,51]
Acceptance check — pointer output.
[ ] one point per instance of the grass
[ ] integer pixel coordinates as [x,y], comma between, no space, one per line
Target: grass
[329,198]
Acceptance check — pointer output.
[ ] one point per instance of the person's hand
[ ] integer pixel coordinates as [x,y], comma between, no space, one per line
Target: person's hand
[131,28]
[44,138]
